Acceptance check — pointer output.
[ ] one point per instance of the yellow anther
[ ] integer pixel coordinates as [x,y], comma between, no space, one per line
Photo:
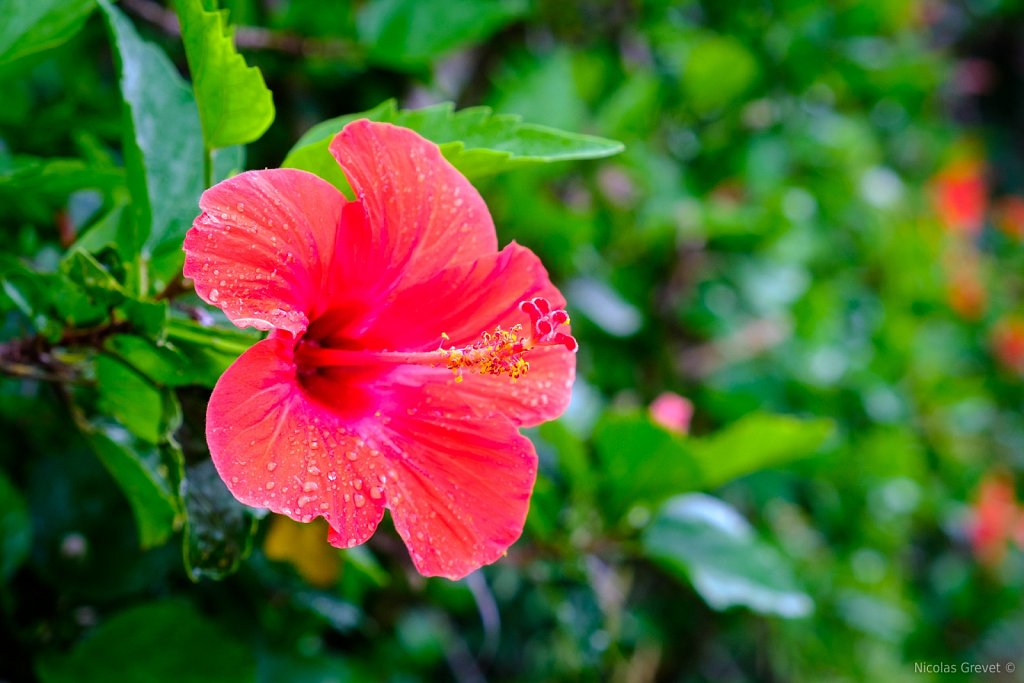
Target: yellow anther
[496,353]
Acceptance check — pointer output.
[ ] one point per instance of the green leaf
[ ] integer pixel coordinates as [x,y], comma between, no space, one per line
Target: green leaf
[51,302]
[235,105]
[409,34]
[756,442]
[144,409]
[143,476]
[300,668]
[15,528]
[163,148]
[163,642]
[704,541]
[641,463]
[82,268]
[209,350]
[161,363]
[105,232]
[31,26]
[218,529]
[476,141]
[56,177]
[644,464]
[718,70]
[146,317]
[227,162]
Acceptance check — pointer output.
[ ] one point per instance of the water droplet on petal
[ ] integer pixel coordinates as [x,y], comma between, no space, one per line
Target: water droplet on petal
[375,492]
[310,486]
[271,466]
[352,455]
[359,499]
[332,475]
[213,295]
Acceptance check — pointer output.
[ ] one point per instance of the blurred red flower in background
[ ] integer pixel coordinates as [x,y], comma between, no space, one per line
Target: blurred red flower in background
[378,309]
[672,411]
[995,519]
[960,195]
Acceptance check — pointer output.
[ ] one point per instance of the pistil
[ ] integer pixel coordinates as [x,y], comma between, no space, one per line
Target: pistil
[501,352]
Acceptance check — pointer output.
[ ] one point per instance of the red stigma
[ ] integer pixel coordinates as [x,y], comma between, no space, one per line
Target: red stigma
[545,322]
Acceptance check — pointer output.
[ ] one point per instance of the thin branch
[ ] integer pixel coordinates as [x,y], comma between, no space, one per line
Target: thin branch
[174,288]
[254,37]
[490,617]
[33,358]
[60,373]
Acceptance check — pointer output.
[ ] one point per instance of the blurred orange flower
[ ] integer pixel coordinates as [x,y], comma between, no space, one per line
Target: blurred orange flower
[1008,343]
[1009,216]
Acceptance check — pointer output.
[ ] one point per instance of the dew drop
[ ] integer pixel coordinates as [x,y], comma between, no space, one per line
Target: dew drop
[375,492]
[271,466]
[240,206]
[359,499]
[269,485]
[332,476]
[310,486]
[352,455]
[358,483]
[213,295]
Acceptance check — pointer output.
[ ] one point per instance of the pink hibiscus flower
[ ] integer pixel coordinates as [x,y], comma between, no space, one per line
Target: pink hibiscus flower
[405,351]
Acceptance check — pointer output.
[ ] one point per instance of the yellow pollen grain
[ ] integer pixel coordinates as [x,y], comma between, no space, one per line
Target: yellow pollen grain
[496,353]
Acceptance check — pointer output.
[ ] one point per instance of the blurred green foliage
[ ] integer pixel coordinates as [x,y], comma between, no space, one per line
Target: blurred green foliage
[810,234]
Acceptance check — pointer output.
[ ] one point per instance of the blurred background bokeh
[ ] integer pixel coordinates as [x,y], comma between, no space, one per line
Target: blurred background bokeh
[796,438]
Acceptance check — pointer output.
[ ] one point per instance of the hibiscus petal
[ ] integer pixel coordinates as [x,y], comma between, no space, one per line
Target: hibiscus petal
[261,248]
[542,394]
[424,214]
[468,299]
[462,301]
[276,448]
[459,488]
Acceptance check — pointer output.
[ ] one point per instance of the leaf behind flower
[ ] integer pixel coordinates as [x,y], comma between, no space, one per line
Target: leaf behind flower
[476,140]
